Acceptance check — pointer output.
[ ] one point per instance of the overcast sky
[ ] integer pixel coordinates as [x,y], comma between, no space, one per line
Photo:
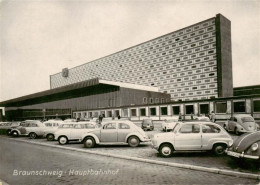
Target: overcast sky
[39,38]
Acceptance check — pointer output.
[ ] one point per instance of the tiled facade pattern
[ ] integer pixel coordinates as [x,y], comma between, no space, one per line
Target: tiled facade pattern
[182,63]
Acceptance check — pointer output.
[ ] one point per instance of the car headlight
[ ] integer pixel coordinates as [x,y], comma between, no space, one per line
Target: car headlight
[254,147]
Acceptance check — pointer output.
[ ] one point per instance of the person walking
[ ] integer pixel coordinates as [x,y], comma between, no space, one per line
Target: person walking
[118,116]
[191,116]
[213,117]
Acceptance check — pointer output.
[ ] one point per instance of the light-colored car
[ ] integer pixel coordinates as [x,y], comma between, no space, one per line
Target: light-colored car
[115,132]
[49,133]
[202,118]
[25,127]
[169,124]
[192,136]
[241,123]
[35,130]
[73,134]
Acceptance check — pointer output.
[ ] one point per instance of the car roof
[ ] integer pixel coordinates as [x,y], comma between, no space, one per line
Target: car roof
[84,122]
[242,115]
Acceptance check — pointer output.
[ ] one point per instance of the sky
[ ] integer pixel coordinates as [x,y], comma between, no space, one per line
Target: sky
[39,38]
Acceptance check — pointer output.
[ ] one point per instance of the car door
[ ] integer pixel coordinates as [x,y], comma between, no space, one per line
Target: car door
[75,133]
[209,134]
[122,132]
[108,133]
[188,137]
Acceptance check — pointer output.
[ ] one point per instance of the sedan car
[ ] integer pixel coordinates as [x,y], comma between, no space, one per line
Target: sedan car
[49,132]
[241,123]
[169,124]
[192,136]
[246,146]
[26,128]
[115,132]
[147,124]
[74,133]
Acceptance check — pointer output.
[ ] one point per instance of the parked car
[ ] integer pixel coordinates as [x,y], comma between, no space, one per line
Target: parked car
[241,123]
[25,127]
[202,118]
[49,132]
[169,124]
[40,129]
[115,132]
[147,124]
[12,126]
[35,129]
[73,134]
[246,146]
[4,126]
[192,136]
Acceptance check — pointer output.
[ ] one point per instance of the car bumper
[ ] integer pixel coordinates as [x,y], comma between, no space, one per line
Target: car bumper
[146,140]
[241,155]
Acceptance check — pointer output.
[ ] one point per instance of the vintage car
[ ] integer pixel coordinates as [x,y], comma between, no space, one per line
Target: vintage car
[147,124]
[241,123]
[26,127]
[73,134]
[169,124]
[192,136]
[115,132]
[202,118]
[49,132]
[246,146]
[39,131]
[6,127]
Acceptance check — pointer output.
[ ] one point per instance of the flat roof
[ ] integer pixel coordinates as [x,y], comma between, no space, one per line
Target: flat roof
[79,85]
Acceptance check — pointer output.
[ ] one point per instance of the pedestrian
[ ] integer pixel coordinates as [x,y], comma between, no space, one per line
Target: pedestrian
[213,117]
[118,116]
[191,116]
[100,118]
[113,117]
[180,116]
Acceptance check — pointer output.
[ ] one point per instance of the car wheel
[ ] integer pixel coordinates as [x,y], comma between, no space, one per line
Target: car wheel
[89,142]
[133,141]
[236,131]
[166,150]
[219,149]
[63,140]
[15,133]
[50,137]
[32,135]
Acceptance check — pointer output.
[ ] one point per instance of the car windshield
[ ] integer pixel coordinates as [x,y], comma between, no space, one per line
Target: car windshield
[176,125]
[147,121]
[247,119]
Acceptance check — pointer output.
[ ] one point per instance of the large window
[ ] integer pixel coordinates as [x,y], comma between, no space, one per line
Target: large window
[142,112]
[153,111]
[133,112]
[189,109]
[175,110]
[221,107]
[239,106]
[204,108]
[256,105]
[164,111]
[190,128]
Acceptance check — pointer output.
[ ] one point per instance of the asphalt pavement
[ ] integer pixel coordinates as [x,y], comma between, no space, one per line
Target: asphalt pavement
[25,163]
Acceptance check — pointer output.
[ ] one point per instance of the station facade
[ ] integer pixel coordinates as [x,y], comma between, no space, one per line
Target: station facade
[188,71]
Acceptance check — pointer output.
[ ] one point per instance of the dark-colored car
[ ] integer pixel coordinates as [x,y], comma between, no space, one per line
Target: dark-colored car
[147,124]
[246,146]
[6,127]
